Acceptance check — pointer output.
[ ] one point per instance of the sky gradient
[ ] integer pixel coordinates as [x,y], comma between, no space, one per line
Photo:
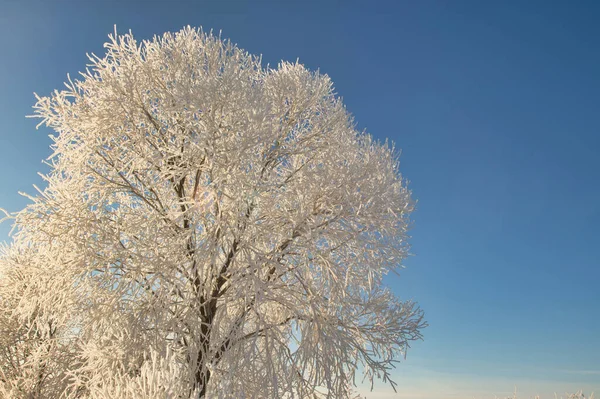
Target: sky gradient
[495,106]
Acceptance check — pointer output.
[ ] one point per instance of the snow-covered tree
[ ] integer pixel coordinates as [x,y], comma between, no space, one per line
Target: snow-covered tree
[211,228]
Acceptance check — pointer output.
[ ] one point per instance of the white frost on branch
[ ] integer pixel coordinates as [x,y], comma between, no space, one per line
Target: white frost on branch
[210,229]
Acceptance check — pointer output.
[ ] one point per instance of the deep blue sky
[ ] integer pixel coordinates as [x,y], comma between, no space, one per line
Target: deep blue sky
[495,105]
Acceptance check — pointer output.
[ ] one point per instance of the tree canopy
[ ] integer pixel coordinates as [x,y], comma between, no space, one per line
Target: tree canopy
[210,228]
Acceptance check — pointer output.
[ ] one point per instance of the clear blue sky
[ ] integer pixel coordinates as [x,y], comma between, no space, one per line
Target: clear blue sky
[495,105]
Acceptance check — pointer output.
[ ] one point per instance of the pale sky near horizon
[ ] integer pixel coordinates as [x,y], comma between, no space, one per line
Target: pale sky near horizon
[495,106]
